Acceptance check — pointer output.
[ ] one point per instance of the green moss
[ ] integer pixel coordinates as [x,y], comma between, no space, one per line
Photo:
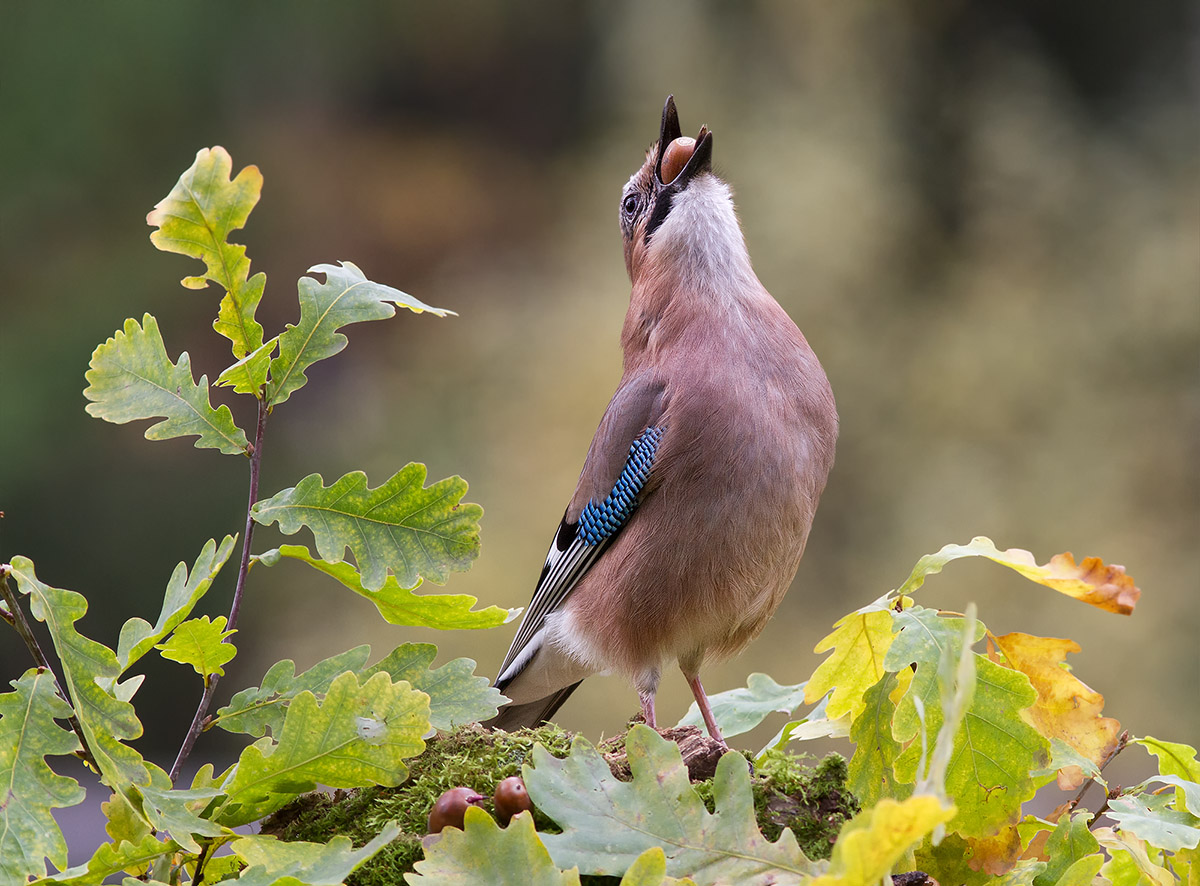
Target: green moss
[468,757]
[811,800]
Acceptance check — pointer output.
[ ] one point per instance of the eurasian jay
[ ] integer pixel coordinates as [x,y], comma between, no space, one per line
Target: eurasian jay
[699,488]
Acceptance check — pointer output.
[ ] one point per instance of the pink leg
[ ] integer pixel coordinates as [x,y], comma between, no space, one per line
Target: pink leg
[705,708]
[647,700]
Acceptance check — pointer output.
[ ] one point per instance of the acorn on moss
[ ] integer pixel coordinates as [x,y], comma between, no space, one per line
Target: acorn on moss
[451,808]
[511,798]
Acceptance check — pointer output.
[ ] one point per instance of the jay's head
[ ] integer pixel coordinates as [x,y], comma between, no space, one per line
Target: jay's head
[675,203]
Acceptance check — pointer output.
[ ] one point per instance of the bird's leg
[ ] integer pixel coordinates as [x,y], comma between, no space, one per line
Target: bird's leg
[647,686]
[705,708]
[647,700]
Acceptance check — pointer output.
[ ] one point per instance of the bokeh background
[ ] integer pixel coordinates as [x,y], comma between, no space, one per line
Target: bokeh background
[985,216]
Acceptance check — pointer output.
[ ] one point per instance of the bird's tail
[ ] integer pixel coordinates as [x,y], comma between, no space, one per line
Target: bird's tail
[534,713]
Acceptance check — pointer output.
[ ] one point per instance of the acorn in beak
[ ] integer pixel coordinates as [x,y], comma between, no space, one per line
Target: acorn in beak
[680,158]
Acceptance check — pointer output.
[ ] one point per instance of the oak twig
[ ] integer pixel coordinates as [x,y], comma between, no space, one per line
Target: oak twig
[210,689]
[1120,746]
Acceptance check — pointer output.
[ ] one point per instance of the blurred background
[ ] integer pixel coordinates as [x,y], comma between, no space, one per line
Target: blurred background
[985,217]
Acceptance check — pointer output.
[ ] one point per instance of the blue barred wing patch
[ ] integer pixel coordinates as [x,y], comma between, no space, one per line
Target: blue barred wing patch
[577,546]
[600,521]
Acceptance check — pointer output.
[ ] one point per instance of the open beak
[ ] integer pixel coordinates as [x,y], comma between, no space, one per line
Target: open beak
[700,159]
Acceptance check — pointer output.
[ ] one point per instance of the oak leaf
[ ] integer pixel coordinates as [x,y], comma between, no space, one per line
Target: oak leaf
[1091,581]
[859,642]
[131,378]
[404,527]
[1066,708]
[195,219]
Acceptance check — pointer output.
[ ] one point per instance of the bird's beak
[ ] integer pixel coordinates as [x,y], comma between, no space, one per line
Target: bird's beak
[670,123]
[700,159]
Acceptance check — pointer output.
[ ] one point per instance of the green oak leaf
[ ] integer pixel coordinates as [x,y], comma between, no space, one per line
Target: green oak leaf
[1082,872]
[871,775]
[993,752]
[178,812]
[124,823]
[872,842]
[346,296]
[131,378]
[1070,842]
[196,219]
[261,709]
[923,637]
[272,862]
[456,695]
[1187,792]
[107,721]
[357,736]
[1175,761]
[205,777]
[29,788]
[957,685]
[113,858]
[403,527]
[1063,755]
[249,374]
[1174,758]
[512,856]
[1148,817]
[740,710]
[608,823]
[183,592]
[201,643]
[397,605]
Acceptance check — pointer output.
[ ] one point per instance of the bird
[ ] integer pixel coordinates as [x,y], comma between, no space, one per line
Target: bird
[698,491]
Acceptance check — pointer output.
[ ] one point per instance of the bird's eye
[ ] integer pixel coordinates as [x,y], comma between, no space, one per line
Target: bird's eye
[630,204]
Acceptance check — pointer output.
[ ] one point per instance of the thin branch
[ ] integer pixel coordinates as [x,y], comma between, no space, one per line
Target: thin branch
[198,722]
[16,617]
[1120,746]
[201,860]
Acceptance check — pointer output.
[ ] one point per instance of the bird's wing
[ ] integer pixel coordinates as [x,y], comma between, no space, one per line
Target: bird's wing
[611,485]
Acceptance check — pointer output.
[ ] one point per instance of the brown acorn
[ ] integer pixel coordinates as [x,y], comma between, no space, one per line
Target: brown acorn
[511,798]
[451,807]
[676,156]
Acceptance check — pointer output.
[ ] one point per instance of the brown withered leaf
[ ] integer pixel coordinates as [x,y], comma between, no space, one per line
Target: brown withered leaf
[1093,581]
[1066,708]
[997,854]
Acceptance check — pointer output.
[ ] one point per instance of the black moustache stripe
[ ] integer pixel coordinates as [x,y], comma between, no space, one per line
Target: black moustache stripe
[662,205]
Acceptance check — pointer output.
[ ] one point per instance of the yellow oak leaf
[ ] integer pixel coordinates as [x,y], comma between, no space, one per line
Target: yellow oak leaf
[859,642]
[872,842]
[1066,708]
